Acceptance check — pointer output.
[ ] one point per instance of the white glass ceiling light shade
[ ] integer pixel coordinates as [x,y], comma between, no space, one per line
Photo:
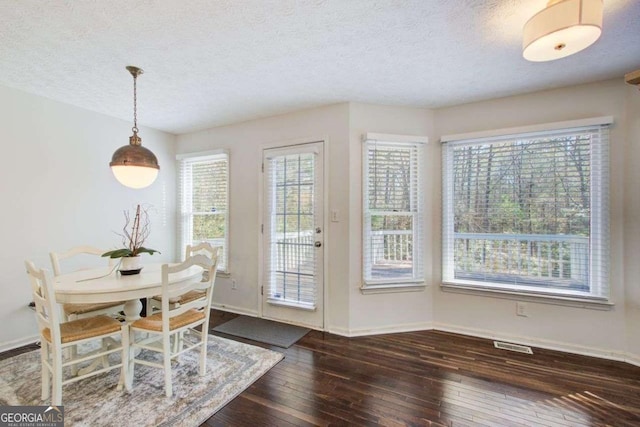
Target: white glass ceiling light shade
[133,165]
[563,28]
[135,176]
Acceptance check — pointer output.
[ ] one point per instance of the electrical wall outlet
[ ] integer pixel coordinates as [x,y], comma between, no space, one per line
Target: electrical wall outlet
[234,284]
[521,309]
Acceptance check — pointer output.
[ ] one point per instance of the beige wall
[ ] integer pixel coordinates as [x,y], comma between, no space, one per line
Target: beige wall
[245,142]
[58,192]
[396,311]
[586,330]
[60,155]
[348,311]
[609,333]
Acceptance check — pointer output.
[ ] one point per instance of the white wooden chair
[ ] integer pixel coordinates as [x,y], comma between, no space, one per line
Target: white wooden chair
[76,311]
[56,336]
[155,304]
[176,322]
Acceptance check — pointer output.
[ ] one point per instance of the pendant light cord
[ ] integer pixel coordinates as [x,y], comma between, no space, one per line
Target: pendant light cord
[135,105]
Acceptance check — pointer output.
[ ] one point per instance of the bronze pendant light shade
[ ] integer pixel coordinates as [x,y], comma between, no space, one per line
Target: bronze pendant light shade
[133,165]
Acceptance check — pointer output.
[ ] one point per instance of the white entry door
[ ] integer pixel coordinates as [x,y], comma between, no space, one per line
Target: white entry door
[293,229]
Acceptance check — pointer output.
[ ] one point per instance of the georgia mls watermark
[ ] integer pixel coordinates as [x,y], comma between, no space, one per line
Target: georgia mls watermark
[31,416]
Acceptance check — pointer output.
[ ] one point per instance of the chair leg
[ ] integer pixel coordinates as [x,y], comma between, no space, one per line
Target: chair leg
[166,347]
[151,307]
[131,356]
[174,344]
[203,352]
[70,352]
[67,351]
[124,371]
[105,358]
[56,398]
[46,378]
[178,343]
[73,354]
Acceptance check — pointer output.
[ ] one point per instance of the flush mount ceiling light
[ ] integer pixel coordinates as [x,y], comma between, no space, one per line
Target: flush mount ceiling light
[563,28]
[133,165]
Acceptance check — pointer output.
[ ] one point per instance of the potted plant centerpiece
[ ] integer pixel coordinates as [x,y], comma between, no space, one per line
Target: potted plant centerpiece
[133,240]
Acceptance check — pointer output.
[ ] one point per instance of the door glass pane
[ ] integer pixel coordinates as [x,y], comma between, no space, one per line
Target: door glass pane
[292,276]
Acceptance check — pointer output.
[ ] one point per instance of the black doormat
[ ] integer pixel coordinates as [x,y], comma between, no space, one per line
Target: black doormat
[261,330]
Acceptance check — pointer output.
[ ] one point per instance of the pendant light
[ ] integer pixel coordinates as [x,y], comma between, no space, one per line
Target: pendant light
[133,165]
[563,28]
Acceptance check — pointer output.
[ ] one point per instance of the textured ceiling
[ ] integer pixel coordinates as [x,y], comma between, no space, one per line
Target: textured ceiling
[209,63]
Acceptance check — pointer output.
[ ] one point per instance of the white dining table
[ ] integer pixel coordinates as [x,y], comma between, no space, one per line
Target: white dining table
[96,285]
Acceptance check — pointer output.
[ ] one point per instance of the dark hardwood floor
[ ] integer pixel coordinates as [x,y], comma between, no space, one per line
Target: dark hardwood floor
[430,378]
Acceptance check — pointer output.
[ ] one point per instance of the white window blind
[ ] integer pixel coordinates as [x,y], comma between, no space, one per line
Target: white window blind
[528,213]
[393,212]
[203,194]
[291,261]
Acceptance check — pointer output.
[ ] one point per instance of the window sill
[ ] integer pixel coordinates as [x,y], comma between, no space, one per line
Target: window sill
[569,301]
[386,288]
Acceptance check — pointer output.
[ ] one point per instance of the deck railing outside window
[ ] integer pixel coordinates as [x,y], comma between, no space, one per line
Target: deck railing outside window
[527,259]
[391,254]
[294,247]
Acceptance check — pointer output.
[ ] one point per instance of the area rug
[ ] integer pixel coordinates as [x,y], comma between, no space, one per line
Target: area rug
[261,330]
[94,401]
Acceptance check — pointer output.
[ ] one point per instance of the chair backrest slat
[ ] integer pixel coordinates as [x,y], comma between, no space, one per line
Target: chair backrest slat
[56,257]
[48,315]
[171,290]
[203,248]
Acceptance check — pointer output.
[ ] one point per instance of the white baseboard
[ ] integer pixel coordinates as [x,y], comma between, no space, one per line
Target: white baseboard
[536,342]
[404,327]
[481,333]
[234,309]
[6,346]
[336,330]
[633,359]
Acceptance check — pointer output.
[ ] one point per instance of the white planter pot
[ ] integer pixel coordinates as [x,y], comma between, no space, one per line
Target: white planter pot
[130,263]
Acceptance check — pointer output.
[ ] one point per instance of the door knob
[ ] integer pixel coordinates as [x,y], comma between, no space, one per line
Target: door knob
[317,244]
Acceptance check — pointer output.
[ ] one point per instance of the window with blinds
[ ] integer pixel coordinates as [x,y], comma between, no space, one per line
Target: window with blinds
[203,194]
[392,208]
[528,213]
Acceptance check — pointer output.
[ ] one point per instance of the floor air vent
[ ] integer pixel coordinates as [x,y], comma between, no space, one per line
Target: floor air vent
[512,347]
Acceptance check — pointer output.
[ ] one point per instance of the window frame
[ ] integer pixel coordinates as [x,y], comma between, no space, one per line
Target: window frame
[185,191]
[416,212]
[599,246]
